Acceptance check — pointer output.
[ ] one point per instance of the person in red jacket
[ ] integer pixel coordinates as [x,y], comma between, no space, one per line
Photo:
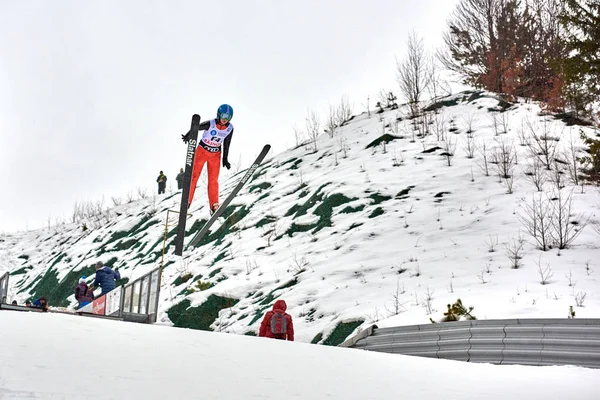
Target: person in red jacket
[277,324]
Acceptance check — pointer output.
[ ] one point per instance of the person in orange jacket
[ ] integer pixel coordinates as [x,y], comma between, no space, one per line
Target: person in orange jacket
[277,324]
[217,133]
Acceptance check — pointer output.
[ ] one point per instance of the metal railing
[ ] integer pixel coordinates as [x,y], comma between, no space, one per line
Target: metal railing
[139,299]
[511,341]
[4,287]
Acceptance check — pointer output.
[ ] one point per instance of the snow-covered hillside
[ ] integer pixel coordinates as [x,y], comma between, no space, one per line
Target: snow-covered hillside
[388,221]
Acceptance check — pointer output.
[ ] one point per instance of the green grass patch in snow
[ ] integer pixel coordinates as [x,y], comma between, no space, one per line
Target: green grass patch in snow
[317,338]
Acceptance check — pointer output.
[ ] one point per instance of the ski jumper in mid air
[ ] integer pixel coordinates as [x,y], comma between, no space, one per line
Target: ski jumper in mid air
[216,135]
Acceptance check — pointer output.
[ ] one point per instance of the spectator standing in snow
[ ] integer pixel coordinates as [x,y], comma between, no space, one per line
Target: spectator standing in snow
[277,324]
[105,278]
[162,182]
[83,294]
[179,179]
[27,303]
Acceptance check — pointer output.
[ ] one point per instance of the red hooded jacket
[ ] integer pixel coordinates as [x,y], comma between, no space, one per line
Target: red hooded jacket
[265,326]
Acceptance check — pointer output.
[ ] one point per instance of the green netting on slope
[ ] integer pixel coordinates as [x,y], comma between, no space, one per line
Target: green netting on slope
[202,316]
[341,332]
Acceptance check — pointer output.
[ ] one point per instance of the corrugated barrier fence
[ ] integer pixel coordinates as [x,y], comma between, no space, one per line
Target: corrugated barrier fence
[507,341]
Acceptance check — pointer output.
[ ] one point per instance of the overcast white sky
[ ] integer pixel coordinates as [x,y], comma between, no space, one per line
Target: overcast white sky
[95,95]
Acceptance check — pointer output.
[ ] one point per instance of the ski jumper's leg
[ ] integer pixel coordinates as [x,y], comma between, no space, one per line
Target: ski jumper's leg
[214,166]
[199,160]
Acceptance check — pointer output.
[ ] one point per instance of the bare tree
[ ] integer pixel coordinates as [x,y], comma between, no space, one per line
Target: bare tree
[437,85]
[545,271]
[117,201]
[468,122]
[544,143]
[484,162]
[142,193]
[504,159]
[411,73]
[537,220]
[313,127]
[566,228]
[449,147]
[298,135]
[344,111]
[439,126]
[367,107]
[514,251]
[470,146]
[572,158]
[536,175]
[331,121]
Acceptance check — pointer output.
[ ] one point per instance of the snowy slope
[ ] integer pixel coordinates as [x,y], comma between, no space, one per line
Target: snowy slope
[132,361]
[348,235]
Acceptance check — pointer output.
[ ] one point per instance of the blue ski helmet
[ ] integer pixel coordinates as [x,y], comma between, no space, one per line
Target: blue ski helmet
[225,111]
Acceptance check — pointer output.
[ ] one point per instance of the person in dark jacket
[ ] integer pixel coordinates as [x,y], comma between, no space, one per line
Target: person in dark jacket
[83,294]
[277,324]
[179,179]
[105,278]
[162,183]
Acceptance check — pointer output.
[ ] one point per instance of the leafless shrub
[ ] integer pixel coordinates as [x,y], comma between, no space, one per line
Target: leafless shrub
[449,147]
[411,73]
[398,160]
[439,126]
[588,270]
[484,161]
[117,201]
[491,243]
[565,227]
[523,136]
[271,230]
[544,143]
[397,303]
[344,111]
[298,264]
[298,135]
[481,276]
[438,86]
[331,122]
[427,301]
[129,197]
[503,158]
[536,175]
[468,121]
[470,146]
[313,127]
[580,298]
[344,148]
[536,218]
[571,156]
[514,251]
[142,193]
[367,106]
[495,123]
[545,272]
[504,121]
[251,265]
[569,277]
